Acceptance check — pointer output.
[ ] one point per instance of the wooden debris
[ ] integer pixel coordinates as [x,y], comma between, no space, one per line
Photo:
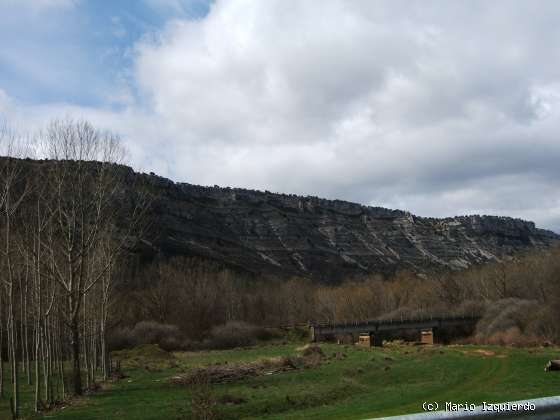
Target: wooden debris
[227,372]
[236,371]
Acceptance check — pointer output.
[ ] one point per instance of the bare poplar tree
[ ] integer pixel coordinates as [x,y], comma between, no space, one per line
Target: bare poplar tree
[85,187]
[11,197]
[64,224]
[78,205]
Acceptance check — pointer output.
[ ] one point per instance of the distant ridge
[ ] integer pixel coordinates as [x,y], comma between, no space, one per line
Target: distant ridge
[327,240]
[284,234]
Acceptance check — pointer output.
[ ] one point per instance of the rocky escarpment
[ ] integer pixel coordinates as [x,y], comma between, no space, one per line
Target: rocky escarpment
[262,232]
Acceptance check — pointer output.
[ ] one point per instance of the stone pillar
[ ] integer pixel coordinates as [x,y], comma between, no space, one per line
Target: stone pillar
[427,336]
[364,340]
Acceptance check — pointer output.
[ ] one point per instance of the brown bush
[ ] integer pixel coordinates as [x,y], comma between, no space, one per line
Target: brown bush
[510,322]
[235,334]
[168,337]
[469,307]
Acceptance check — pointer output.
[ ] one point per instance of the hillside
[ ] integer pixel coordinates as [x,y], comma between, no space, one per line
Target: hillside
[263,232]
[287,235]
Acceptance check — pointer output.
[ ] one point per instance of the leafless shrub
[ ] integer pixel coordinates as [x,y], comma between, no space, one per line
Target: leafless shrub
[470,307]
[168,337]
[510,322]
[544,323]
[235,334]
[150,332]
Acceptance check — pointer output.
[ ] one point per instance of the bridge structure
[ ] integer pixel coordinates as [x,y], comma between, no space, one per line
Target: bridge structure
[377,329]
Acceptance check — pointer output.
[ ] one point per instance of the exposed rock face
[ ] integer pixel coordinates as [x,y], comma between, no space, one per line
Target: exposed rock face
[283,234]
[328,240]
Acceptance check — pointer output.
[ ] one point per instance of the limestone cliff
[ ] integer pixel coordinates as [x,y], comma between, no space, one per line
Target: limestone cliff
[263,232]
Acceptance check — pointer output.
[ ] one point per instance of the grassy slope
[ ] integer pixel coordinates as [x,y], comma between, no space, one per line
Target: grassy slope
[365,384]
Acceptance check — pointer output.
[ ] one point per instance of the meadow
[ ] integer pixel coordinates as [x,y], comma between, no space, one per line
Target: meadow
[347,382]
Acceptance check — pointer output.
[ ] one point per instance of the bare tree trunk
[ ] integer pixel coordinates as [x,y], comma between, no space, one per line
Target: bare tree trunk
[46,362]
[12,340]
[1,343]
[105,365]
[12,331]
[60,364]
[38,294]
[38,363]
[85,346]
[76,367]
[25,322]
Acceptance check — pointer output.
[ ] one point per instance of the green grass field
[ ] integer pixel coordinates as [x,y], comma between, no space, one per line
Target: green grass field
[369,382]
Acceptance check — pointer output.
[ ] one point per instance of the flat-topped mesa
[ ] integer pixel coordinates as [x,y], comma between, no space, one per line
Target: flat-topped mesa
[286,234]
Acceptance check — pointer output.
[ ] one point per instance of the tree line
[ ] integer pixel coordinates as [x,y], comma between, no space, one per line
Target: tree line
[60,246]
[518,298]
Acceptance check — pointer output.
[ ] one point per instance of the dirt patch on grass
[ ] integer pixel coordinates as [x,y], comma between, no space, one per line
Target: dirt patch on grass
[227,372]
[485,353]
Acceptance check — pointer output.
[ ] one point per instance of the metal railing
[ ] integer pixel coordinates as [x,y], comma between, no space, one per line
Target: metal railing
[547,408]
[395,321]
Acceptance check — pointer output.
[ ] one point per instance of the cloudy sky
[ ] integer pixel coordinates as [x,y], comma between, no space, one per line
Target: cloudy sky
[436,107]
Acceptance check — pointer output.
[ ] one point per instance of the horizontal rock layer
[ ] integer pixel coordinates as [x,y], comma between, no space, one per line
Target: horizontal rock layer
[281,234]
